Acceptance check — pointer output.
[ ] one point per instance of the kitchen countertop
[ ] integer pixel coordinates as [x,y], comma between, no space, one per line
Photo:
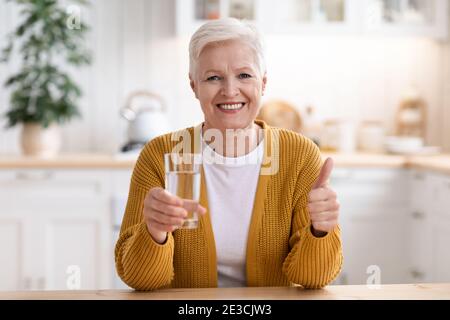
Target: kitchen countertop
[433,291]
[70,161]
[439,163]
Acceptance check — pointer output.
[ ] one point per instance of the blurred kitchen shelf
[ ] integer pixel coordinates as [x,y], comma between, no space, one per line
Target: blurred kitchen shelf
[191,14]
[293,16]
[309,16]
[426,18]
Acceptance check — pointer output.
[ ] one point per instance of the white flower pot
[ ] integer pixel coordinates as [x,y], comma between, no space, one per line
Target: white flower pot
[39,141]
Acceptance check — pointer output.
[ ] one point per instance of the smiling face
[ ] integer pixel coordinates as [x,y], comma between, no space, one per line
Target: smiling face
[228,84]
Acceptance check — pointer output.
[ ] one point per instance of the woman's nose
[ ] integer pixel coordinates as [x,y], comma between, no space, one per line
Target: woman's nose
[230,88]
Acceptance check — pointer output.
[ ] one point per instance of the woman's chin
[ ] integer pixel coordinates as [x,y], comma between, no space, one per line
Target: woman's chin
[234,125]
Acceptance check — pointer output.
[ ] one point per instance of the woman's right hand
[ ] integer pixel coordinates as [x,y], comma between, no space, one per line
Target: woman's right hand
[164,212]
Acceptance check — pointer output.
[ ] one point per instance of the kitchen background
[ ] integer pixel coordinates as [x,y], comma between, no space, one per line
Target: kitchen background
[353,62]
[353,74]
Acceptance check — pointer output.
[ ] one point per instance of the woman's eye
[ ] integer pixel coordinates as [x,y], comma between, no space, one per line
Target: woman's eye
[244,76]
[213,78]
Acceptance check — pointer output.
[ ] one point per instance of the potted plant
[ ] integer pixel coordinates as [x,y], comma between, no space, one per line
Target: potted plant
[43,94]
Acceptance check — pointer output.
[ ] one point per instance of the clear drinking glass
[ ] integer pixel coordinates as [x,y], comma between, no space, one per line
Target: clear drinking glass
[183,180]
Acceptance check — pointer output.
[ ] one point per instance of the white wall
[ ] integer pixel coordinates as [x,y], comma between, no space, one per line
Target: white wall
[120,40]
[445,122]
[359,78]
[135,48]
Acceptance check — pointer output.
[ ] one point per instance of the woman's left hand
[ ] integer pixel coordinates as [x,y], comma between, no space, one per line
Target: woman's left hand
[323,205]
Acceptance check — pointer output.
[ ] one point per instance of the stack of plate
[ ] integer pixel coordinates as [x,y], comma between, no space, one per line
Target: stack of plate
[403,145]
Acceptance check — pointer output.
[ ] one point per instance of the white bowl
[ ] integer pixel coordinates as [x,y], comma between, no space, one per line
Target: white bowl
[404,145]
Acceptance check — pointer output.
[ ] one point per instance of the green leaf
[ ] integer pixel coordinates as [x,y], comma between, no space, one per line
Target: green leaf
[41,90]
[6,52]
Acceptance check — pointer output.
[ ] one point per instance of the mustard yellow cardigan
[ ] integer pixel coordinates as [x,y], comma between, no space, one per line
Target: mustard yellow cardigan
[281,250]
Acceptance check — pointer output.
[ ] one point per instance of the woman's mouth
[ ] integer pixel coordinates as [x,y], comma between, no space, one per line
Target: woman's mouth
[230,107]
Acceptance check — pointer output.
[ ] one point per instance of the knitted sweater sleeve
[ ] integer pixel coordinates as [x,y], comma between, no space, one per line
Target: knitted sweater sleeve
[142,263]
[312,262]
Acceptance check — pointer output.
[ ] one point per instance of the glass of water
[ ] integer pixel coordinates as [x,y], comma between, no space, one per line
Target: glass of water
[183,180]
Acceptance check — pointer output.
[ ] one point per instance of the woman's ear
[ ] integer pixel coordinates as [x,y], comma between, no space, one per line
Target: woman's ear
[193,87]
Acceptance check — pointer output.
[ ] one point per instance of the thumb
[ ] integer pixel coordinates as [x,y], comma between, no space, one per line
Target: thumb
[324,174]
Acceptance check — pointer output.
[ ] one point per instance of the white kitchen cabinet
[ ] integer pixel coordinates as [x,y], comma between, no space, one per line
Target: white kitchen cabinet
[430,227]
[121,185]
[292,16]
[440,188]
[374,231]
[420,228]
[430,236]
[427,18]
[308,16]
[441,253]
[191,14]
[378,242]
[53,220]
[13,233]
[55,224]
[397,220]
[439,209]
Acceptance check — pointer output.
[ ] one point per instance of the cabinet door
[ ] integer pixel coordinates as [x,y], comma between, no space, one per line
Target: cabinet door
[12,248]
[441,243]
[420,227]
[121,183]
[373,223]
[420,248]
[440,195]
[19,236]
[74,248]
[371,191]
[380,243]
[66,225]
[76,229]
[440,211]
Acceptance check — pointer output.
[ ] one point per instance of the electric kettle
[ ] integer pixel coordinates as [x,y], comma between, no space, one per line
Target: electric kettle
[147,117]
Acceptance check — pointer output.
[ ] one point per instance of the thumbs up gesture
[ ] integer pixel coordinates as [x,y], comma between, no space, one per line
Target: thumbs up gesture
[323,205]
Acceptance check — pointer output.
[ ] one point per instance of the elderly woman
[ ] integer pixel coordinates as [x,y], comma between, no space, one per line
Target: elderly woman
[267,222]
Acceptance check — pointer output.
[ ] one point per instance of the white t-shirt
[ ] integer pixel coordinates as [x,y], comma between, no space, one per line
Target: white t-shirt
[231,187]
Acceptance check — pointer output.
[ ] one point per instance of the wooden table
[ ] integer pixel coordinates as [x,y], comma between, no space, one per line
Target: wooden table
[435,291]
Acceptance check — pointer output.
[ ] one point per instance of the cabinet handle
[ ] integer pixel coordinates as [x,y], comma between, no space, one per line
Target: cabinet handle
[27,283]
[418,215]
[34,175]
[41,283]
[344,279]
[416,274]
[419,176]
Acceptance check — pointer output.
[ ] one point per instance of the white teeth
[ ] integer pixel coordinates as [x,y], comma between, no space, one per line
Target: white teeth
[231,106]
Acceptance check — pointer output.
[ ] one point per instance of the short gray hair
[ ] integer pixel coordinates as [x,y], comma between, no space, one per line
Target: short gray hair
[222,30]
